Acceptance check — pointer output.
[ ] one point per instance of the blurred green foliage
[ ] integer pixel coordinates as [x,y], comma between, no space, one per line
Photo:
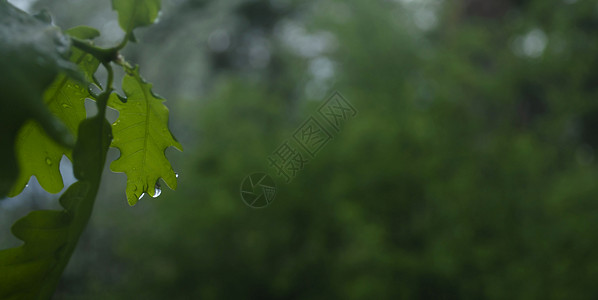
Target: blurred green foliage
[469,172]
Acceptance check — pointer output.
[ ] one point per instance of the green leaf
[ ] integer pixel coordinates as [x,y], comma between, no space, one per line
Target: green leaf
[33,270]
[83,32]
[141,134]
[32,52]
[37,154]
[136,13]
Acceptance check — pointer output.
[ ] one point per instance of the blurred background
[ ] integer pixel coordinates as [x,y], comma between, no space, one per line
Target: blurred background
[468,173]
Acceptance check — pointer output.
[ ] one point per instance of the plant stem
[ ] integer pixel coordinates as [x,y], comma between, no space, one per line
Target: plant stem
[103,55]
[102,100]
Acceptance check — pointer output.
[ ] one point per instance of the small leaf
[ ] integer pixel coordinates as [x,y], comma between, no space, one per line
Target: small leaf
[32,270]
[141,134]
[136,13]
[37,154]
[83,32]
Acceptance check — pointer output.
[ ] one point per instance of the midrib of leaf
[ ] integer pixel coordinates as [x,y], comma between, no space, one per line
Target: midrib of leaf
[147,118]
[147,104]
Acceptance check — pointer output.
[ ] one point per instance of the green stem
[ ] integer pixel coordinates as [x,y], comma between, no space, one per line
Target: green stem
[110,79]
[102,99]
[123,43]
[103,55]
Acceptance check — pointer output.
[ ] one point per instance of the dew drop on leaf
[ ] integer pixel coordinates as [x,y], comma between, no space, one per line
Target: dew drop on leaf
[157,190]
[142,194]
[176,175]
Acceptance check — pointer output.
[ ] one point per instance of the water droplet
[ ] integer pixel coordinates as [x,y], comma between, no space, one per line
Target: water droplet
[157,190]
[142,194]
[48,161]
[92,92]
[176,175]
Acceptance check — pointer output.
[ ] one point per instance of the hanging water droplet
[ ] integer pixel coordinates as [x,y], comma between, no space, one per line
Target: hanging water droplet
[176,175]
[48,161]
[157,190]
[92,92]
